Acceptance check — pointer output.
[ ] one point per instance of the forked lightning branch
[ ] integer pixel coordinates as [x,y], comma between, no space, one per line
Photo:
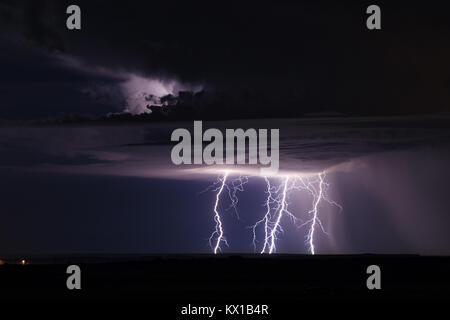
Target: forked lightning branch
[279,188]
[277,211]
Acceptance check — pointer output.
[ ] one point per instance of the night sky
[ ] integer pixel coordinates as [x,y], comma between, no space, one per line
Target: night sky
[369,107]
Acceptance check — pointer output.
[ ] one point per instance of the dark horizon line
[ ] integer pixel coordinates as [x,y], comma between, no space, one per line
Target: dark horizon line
[129,118]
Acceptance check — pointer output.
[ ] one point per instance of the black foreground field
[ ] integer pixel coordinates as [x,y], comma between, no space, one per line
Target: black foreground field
[205,279]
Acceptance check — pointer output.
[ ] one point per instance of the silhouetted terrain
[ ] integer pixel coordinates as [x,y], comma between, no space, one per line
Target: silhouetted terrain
[205,279]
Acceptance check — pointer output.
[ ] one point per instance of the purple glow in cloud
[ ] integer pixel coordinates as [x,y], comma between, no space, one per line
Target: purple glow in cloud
[138,90]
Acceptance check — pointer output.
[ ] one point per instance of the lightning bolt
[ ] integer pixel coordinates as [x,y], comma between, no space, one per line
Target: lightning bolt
[276,208]
[265,219]
[218,233]
[318,196]
[315,218]
[280,215]
[236,185]
[232,186]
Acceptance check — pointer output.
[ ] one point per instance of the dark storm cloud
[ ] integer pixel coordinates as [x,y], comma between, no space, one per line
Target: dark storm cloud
[389,174]
[40,25]
[261,58]
[307,145]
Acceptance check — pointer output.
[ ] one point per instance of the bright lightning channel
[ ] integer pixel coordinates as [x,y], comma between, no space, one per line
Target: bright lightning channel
[232,186]
[219,229]
[276,208]
[315,218]
[280,215]
[265,219]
